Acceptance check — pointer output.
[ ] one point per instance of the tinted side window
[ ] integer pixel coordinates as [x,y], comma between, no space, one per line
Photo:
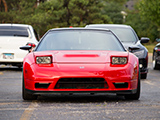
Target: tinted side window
[14,31]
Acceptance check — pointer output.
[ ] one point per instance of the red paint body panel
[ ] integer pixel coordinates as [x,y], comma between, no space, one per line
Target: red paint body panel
[80,64]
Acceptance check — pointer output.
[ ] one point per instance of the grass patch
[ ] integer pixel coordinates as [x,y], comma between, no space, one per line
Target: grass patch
[150,47]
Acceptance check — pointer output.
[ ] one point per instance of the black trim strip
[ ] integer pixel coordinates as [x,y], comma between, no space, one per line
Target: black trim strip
[49,92]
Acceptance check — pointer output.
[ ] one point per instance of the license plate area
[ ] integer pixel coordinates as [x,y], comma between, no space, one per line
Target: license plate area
[8,56]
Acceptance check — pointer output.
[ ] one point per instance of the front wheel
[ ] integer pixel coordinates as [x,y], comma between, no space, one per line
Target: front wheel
[136,95]
[26,95]
[144,76]
[155,65]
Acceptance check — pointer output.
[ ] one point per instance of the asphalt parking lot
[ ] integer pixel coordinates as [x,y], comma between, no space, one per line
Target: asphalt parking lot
[78,106]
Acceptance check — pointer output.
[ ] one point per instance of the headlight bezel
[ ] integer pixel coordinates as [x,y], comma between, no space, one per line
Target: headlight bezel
[118,60]
[43,59]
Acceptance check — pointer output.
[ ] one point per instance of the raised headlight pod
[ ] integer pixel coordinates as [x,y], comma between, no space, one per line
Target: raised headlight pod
[139,53]
[119,60]
[44,60]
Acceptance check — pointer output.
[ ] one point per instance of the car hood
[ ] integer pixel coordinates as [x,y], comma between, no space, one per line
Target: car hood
[81,57]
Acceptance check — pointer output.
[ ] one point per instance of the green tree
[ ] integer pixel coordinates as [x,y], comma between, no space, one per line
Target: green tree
[150,10]
[64,13]
[84,12]
[143,27]
[122,2]
[20,13]
[61,13]
[50,14]
[4,5]
[113,10]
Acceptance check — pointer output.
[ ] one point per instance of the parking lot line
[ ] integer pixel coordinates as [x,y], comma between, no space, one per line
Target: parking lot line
[28,111]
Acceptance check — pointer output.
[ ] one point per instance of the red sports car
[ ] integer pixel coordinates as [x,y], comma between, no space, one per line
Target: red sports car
[80,60]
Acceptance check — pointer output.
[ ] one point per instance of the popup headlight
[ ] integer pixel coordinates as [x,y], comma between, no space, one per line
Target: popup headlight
[44,60]
[119,60]
[139,53]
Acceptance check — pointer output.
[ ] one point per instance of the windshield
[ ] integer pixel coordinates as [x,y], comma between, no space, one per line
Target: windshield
[80,40]
[14,31]
[124,34]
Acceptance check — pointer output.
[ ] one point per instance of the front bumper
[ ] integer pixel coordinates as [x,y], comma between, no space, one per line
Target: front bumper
[143,70]
[119,80]
[143,64]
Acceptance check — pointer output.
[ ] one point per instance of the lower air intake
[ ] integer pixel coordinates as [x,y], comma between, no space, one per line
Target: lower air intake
[121,85]
[81,83]
[42,85]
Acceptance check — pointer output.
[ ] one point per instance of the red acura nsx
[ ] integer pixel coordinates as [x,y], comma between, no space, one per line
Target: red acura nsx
[80,60]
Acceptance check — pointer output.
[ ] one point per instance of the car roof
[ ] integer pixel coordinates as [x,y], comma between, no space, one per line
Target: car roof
[80,28]
[109,25]
[17,25]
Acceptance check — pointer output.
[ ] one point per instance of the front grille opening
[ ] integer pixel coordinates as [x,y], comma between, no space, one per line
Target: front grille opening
[81,83]
[42,85]
[121,85]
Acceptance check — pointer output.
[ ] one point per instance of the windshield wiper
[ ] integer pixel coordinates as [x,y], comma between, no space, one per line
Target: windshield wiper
[20,35]
[127,41]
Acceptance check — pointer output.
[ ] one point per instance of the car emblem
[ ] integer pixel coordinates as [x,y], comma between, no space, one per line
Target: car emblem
[81,67]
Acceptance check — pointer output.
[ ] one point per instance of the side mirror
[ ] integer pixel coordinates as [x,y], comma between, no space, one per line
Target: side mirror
[144,40]
[158,39]
[27,47]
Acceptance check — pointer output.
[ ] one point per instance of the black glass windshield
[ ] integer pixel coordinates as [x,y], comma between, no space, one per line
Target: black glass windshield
[124,34]
[80,40]
[14,31]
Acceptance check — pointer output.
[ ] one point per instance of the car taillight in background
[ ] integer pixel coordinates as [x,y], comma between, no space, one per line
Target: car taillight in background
[31,44]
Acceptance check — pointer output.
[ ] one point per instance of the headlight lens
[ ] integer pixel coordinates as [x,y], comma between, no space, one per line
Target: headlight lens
[119,60]
[43,60]
[139,53]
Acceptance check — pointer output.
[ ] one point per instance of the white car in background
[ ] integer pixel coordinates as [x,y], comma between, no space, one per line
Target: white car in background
[12,36]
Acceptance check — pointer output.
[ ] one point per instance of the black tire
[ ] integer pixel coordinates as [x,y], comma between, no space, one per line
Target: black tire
[144,76]
[155,65]
[26,95]
[136,95]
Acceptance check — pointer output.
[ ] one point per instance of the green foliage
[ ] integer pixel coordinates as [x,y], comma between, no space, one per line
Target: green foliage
[20,13]
[143,28]
[113,10]
[150,10]
[121,2]
[56,13]
[64,13]
[84,12]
